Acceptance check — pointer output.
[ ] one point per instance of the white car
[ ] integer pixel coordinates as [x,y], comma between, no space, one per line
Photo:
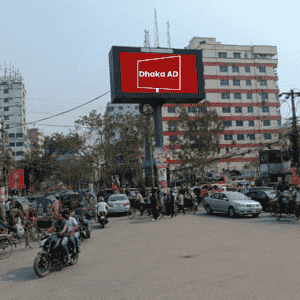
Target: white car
[233,203]
[120,204]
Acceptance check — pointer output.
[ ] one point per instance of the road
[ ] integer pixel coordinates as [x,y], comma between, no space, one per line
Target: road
[187,257]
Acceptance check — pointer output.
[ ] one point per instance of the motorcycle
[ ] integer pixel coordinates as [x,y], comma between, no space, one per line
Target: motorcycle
[83,232]
[102,219]
[52,255]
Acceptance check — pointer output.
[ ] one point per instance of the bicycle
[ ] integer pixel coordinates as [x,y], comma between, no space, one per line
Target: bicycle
[134,209]
[8,240]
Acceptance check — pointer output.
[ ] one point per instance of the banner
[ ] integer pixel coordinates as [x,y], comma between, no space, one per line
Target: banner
[2,194]
[160,154]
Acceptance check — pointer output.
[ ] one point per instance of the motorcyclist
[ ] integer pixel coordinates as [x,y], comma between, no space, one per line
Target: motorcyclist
[32,215]
[77,233]
[70,226]
[82,213]
[282,197]
[102,205]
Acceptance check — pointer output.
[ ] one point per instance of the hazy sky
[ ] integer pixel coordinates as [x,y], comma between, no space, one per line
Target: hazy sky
[61,46]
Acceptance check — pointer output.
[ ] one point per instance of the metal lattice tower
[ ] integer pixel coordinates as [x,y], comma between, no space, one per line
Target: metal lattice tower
[156,39]
[168,35]
[147,39]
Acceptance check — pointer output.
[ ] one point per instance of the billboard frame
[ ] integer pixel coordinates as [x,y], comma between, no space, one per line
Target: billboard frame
[155,99]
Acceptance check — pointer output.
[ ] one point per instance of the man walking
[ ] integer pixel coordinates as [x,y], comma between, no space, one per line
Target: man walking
[141,201]
[181,201]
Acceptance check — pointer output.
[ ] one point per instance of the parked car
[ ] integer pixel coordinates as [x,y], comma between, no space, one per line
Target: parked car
[262,196]
[233,203]
[120,204]
[107,193]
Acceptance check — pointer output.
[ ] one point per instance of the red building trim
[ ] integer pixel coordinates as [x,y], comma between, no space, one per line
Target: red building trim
[219,77]
[167,119]
[240,64]
[166,133]
[225,104]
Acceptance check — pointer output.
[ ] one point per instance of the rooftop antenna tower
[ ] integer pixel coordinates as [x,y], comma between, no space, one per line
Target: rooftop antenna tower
[156,39]
[168,35]
[147,39]
[5,70]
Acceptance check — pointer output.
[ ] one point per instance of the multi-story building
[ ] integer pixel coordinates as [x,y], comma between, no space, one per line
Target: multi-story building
[238,79]
[35,136]
[12,104]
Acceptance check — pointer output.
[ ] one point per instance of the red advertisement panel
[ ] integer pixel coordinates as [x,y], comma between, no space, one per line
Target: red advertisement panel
[158,73]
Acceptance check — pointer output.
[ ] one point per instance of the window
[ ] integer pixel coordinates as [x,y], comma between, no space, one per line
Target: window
[202,109]
[191,109]
[224,82]
[247,69]
[110,109]
[11,144]
[227,150]
[173,138]
[136,107]
[6,99]
[172,127]
[240,137]
[240,123]
[19,144]
[238,96]
[6,108]
[278,122]
[263,83]
[121,116]
[228,137]
[19,135]
[264,96]
[263,56]
[236,55]
[280,136]
[262,69]
[236,83]
[248,82]
[120,107]
[11,135]
[225,96]
[222,55]
[251,123]
[20,153]
[249,96]
[7,126]
[131,152]
[238,109]
[14,153]
[235,69]
[246,55]
[6,117]
[267,123]
[228,123]
[223,69]
[171,110]
[113,117]
[6,91]
[132,162]
[250,109]
[252,137]
[265,109]
[268,136]
[226,109]
[136,116]
[193,138]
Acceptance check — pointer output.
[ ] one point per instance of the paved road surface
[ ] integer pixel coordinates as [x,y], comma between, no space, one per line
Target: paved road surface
[237,259]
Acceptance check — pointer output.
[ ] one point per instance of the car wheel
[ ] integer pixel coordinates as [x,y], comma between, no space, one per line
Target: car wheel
[255,215]
[208,210]
[231,212]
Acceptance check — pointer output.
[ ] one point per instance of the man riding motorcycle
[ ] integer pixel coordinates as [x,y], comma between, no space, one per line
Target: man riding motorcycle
[70,226]
[82,212]
[101,206]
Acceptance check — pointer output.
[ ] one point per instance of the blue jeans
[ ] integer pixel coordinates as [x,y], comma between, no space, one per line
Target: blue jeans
[88,224]
[64,244]
[77,240]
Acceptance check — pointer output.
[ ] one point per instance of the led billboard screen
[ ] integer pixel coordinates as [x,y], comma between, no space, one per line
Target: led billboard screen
[141,77]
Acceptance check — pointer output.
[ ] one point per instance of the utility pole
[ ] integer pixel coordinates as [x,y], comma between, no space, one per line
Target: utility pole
[295,130]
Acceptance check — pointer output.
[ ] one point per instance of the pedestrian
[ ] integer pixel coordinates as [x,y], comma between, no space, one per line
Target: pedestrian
[149,203]
[141,202]
[154,203]
[181,201]
[172,198]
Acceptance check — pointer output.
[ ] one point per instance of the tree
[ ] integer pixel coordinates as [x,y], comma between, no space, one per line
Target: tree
[200,142]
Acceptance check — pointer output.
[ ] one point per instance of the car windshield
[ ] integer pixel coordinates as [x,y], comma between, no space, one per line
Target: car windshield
[131,193]
[270,193]
[117,198]
[238,196]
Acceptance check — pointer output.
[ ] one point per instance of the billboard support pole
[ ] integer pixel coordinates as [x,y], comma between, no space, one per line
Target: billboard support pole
[160,150]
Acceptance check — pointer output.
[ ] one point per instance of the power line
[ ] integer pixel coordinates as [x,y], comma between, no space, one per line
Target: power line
[63,112]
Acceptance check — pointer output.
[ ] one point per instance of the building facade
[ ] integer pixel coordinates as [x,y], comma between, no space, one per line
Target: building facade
[35,136]
[238,79]
[12,111]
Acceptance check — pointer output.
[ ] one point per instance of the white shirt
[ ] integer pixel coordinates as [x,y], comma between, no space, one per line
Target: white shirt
[101,206]
[71,222]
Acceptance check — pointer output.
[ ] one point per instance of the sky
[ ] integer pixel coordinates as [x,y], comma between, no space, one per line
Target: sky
[61,46]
